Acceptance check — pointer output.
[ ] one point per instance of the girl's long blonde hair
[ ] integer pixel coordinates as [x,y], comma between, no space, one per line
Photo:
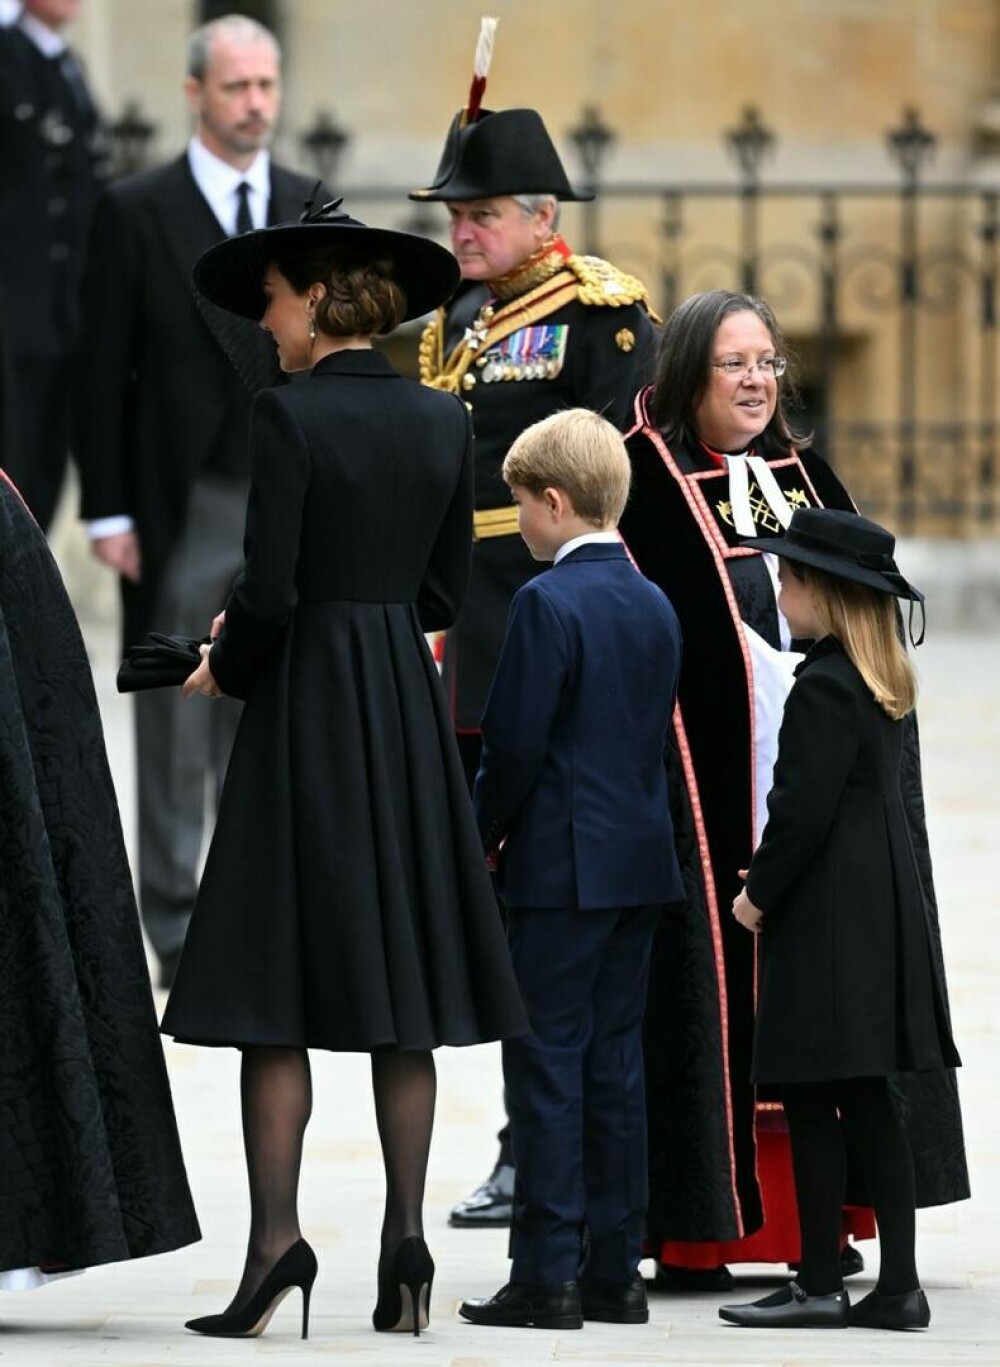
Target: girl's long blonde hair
[864,621]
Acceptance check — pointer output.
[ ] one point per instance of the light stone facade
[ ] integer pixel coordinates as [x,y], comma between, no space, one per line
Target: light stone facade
[830,78]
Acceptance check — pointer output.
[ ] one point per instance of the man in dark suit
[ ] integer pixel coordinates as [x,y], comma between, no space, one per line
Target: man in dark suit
[51,167]
[573,785]
[163,426]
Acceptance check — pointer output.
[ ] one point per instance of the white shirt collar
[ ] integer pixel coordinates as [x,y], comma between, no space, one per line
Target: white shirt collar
[588,539]
[217,181]
[47,40]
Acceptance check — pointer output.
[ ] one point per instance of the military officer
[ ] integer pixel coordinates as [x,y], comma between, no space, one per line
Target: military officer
[534,328]
[52,165]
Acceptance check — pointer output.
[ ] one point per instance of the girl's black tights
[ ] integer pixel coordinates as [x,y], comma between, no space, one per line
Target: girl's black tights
[820,1114]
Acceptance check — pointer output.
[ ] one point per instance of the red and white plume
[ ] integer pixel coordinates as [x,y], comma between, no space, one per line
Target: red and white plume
[481,68]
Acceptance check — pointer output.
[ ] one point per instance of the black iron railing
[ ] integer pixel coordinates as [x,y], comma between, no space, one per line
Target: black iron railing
[888,290]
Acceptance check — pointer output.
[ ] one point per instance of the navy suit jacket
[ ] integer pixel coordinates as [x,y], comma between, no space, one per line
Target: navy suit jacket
[574,732]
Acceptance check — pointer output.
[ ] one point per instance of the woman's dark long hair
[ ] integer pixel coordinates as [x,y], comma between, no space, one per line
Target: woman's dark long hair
[684,369]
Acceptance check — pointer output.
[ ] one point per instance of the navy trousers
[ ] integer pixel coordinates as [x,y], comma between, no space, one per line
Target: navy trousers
[575,1091]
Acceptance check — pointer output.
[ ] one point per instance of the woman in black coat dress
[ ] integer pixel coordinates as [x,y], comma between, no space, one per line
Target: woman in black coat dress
[345,903]
[851,990]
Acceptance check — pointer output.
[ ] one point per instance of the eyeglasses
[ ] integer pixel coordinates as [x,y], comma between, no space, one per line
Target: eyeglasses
[769,365]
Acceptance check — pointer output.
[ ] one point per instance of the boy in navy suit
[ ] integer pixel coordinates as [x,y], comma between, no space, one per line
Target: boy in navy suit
[573,786]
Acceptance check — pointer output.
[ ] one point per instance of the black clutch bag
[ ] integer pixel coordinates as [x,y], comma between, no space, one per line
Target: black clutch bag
[165,663]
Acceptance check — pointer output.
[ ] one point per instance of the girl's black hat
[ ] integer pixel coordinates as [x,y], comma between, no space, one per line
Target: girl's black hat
[231,273]
[843,544]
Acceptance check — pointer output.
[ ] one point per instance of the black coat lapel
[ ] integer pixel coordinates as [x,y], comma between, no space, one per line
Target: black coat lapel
[288,197]
[190,228]
[188,223]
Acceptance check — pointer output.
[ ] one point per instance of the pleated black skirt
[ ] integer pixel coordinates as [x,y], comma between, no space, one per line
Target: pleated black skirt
[345,903]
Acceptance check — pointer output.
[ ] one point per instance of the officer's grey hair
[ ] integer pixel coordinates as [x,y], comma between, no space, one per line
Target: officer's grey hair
[238,28]
[530,204]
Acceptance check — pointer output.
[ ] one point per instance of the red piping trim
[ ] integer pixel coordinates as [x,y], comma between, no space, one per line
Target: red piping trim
[720,963]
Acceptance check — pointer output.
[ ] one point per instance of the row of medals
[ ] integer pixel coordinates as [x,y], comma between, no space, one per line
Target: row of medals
[495,368]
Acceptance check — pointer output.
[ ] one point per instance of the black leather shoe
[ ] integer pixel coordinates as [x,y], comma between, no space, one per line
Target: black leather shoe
[908,1310]
[692,1280]
[615,1302]
[491,1205]
[517,1306]
[791,1308]
[851,1262]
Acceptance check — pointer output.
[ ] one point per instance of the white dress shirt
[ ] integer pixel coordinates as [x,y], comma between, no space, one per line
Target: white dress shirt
[47,40]
[587,539]
[217,181]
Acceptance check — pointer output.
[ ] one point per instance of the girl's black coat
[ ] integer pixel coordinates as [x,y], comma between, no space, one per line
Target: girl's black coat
[851,981]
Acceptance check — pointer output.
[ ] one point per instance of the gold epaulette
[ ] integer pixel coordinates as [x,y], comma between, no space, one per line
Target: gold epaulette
[605,286]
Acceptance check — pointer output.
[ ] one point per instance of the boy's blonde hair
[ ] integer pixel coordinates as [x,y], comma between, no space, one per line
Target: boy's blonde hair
[580,453]
[864,622]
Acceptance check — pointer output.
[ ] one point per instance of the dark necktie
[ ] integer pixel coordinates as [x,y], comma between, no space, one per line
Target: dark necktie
[244,221]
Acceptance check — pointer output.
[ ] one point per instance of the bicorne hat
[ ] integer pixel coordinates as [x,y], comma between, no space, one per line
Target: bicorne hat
[504,152]
[842,544]
[231,273]
[507,152]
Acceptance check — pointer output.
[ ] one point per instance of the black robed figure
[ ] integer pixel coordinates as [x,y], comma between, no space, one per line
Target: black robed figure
[345,903]
[712,453]
[90,1164]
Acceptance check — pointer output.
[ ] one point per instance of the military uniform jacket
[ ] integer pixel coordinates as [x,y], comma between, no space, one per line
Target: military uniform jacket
[51,169]
[583,337]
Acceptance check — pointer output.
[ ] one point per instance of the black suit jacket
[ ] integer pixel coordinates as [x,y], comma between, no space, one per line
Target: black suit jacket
[51,168]
[157,393]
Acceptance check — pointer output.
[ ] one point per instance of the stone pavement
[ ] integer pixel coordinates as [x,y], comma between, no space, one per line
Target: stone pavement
[132,1315]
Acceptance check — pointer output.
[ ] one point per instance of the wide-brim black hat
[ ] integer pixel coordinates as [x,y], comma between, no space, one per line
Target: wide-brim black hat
[231,273]
[505,152]
[842,544]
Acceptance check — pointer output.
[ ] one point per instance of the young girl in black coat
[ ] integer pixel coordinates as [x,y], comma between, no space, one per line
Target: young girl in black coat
[851,987]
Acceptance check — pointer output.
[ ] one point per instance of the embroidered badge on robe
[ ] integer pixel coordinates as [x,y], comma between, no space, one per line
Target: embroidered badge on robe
[768,508]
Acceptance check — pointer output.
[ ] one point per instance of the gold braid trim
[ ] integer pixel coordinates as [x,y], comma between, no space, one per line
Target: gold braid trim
[559,290]
[589,279]
[605,286]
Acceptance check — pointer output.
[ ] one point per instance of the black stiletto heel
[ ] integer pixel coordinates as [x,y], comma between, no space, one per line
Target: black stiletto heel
[296,1267]
[404,1289]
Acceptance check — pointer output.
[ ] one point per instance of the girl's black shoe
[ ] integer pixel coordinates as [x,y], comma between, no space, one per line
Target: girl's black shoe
[908,1310]
[295,1267]
[404,1289]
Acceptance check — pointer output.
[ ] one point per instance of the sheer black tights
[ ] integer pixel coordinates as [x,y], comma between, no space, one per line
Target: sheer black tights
[276,1092]
[819,1115]
[405,1087]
